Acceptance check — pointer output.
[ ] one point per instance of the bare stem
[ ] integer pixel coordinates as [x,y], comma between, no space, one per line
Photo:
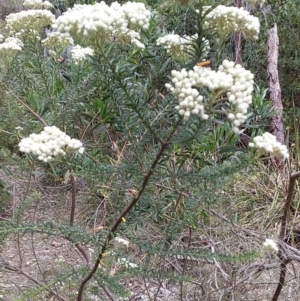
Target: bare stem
[281,280]
[36,115]
[125,212]
[287,208]
[283,232]
[20,271]
[73,205]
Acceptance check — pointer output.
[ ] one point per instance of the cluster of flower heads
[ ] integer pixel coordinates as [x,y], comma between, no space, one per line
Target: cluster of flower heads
[37,4]
[50,143]
[103,22]
[9,48]
[240,93]
[57,40]
[11,44]
[227,19]
[33,19]
[25,33]
[189,98]
[267,144]
[270,245]
[180,47]
[79,54]
[132,37]
[230,78]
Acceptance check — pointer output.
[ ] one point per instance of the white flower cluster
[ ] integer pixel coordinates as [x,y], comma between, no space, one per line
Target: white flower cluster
[171,41]
[240,93]
[190,101]
[11,44]
[270,245]
[103,22]
[136,14]
[133,37]
[1,38]
[124,262]
[50,143]
[57,40]
[35,19]
[178,46]
[25,33]
[37,4]
[227,19]
[189,98]
[267,143]
[230,78]
[79,53]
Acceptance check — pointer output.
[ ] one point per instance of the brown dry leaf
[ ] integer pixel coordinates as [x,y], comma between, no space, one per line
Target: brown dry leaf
[99,228]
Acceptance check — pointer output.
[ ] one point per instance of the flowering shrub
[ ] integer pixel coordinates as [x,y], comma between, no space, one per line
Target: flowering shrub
[226,19]
[148,156]
[50,143]
[101,22]
[34,19]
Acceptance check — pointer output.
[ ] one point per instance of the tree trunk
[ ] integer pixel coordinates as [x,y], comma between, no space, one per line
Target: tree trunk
[238,39]
[276,124]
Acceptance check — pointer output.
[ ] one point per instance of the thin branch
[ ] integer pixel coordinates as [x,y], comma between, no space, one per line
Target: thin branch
[185,260]
[36,115]
[84,254]
[72,218]
[108,293]
[125,212]
[20,271]
[283,234]
[287,208]
[73,191]
[258,268]
[17,217]
[281,280]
